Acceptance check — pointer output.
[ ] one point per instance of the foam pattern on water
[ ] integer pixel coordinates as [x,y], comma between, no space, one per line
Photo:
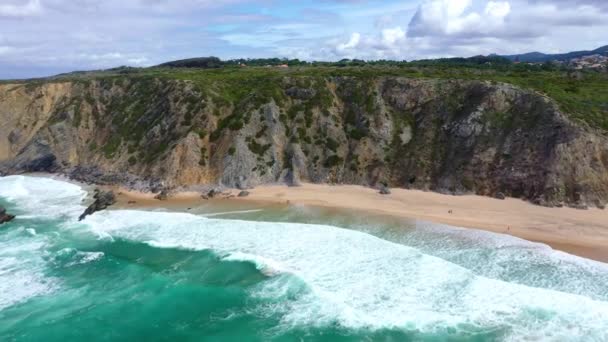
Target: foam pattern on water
[23,252]
[22,268]
[43,197]
[512,259]
[361,281]
[324,275]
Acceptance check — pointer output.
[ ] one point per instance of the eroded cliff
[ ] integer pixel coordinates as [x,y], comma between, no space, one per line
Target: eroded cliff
[451,136]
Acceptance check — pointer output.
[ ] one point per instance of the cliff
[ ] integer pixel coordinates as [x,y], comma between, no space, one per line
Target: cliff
[452,136]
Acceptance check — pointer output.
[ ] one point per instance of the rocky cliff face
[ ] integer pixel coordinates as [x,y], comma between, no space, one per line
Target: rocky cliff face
[449,136]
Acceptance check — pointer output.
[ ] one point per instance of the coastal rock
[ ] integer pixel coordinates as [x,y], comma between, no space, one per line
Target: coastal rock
[449,136]
[5,217]
[243,194]
[35,157]
[500,196]
[384,190]
[163,195]
[103,199]
[213,193]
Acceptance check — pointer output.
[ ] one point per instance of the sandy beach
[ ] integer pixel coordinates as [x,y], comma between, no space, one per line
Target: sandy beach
[580,232]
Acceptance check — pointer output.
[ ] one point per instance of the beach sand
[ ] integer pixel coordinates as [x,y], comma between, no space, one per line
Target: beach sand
[579,232]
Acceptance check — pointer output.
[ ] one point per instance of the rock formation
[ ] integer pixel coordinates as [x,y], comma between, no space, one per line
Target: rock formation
[103,199]
[449,136]
[5,217]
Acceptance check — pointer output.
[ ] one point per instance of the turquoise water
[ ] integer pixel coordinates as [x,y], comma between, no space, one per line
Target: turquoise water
[278,274]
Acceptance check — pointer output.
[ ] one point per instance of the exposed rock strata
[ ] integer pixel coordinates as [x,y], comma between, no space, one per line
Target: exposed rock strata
[448,136]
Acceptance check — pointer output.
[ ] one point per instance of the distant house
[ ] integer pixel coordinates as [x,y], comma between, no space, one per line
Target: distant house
[282,66]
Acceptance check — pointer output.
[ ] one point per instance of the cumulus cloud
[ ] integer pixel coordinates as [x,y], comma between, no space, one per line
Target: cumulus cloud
[445,28]
[390,36]
[64,35]
[451,17]
[352,43]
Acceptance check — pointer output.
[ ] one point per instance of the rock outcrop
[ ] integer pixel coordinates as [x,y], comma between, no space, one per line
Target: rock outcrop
[5,217]
[384,190]
[449,136]
[103,199]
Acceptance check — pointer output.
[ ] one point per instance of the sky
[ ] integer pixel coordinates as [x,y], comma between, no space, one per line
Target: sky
[45,37]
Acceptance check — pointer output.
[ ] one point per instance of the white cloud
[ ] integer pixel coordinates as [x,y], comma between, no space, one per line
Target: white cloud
[452,17]
[354,41]
[64,35]
[393,35]
[498,9]
[32,7]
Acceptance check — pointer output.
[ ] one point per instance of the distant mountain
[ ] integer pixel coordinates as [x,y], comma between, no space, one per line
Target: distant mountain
[539,57]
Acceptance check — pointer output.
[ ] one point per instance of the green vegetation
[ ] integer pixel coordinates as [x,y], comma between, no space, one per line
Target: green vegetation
[332,161]
[132,160]
[581,94]
[258,149]
[112,146]
[331,144]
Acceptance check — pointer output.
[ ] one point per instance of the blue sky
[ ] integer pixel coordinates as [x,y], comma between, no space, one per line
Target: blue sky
[43,37]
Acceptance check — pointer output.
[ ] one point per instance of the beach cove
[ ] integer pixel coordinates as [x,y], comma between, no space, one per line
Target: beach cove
[260,268]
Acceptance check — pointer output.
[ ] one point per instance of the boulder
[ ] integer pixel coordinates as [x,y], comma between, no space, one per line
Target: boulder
[500,196]
[243,193]
[163,195]
[384,190]
[5,217]
[103,199]
[212,194]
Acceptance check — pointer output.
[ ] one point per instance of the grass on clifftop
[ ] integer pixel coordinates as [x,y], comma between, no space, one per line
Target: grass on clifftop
[583,95]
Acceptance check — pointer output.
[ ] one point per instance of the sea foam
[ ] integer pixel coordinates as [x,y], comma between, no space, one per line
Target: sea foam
[43,197]
[341,276]
[361,281]
[22,267]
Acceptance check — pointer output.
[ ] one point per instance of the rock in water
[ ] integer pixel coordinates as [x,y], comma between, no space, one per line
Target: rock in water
[4,217]
[103,199]
[243,193]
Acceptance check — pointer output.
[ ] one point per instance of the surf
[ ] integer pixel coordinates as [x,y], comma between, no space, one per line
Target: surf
[433,281]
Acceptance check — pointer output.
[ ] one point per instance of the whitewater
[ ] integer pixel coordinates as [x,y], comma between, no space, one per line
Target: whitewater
[124,274]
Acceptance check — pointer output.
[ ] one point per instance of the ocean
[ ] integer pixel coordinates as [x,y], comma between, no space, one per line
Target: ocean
[288,273]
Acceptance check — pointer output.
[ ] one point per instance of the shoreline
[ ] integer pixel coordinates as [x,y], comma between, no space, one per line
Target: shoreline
[579,232]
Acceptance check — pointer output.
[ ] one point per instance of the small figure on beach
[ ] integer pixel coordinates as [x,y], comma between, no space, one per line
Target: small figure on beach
[450,211]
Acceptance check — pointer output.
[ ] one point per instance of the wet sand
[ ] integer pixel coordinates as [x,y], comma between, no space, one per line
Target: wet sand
[579,232]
